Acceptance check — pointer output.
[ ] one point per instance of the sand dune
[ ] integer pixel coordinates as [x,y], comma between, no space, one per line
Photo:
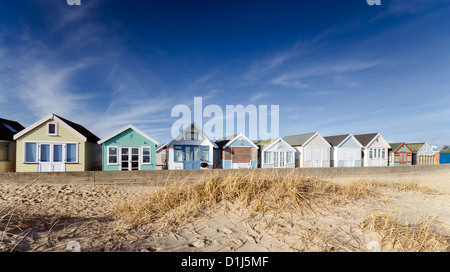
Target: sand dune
[395,213]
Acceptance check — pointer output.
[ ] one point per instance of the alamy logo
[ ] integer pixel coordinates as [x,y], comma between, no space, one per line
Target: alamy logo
[74,2]
[374,2]
[257,117]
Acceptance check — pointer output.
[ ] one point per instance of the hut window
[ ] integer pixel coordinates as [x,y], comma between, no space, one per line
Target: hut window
[30,152]
[205,153]
[193,136]
[178,153]
[71,153]
[4,151]
[112,155]
[196,153]
[146,155]
[268,157]
[290,157]
[52,129]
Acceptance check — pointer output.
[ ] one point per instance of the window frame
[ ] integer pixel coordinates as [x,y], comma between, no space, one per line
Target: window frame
[56,129]
[204,149]
[52,144]
[36,145]
[269,155]
[108,154]
[149,155]
[292,156]
[178,148]
[76,153]
[8,150]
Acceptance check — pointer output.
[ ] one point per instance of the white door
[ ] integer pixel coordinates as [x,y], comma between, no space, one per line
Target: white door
[316,157]
[349,157]
[58,158]
[129,158]
[377,155]
[51,158]
[377,158]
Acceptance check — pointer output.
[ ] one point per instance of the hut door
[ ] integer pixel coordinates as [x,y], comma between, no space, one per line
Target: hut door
[129,158]
[51,158]
[192,157]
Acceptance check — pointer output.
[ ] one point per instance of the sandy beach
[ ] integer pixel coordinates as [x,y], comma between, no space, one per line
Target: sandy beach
[388,213]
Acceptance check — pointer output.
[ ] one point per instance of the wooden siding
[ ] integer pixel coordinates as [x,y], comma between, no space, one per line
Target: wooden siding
[226,154]
[319,146]
[382,144]
[129,138]
[9,166]
[241,154]
[39,134]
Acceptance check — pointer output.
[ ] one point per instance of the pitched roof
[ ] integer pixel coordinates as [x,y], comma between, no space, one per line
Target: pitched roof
[264,143]
[415,147]
[365,139]
[8,128]
[445,149]
[77,129]
[124,129]
[299,139]
[90,137]
[267,144]
[336,140]
[395,146]
[168,144]
[223,143]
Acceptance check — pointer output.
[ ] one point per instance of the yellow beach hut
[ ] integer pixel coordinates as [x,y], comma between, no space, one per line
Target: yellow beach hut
[55,144]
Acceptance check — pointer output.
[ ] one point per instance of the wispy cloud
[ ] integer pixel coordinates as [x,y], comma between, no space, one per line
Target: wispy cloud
[299,79]
[40,77]
[411,7]
[256,97]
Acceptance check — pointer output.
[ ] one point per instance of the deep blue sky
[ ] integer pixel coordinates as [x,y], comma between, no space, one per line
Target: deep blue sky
[332,66]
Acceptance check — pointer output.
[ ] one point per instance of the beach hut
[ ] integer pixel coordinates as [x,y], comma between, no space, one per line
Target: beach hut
[7,144]
[312,150]
[275,153]
[128,149]
[444,155]
[374,149]
[345,151]
[56,144]
[423,154]
[190,149]
[400,154]
[236,152]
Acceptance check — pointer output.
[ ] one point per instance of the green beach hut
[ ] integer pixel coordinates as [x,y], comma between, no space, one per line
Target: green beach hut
[128,149]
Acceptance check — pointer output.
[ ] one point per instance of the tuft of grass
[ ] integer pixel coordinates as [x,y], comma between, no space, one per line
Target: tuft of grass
[253,191]
[404,187]
[420,236]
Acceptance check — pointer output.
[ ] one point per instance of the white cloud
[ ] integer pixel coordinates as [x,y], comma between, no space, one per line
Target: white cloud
[299,78]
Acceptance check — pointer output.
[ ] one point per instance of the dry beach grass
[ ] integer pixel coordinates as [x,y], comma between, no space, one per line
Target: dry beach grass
[236,212]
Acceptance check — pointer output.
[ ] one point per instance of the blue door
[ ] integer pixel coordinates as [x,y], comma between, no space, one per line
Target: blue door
[191,157]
